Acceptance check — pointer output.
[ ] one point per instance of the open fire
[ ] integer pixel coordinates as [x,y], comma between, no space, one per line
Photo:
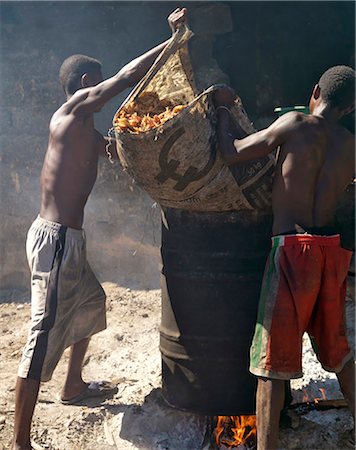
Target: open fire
[306,397]
[240,433]
[235,432]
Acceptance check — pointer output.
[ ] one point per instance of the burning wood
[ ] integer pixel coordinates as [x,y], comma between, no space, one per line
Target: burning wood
[240,433]
[318,404]
[306,398]
[235,432]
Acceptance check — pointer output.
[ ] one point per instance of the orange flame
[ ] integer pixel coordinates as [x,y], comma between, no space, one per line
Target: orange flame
[232,431]
[306,397]
[323,396]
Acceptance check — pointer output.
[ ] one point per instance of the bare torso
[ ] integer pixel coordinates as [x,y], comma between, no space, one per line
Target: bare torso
[70,167]
[314,166]
[71,163]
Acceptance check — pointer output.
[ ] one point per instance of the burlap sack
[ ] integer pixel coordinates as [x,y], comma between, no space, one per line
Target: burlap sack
[177,163]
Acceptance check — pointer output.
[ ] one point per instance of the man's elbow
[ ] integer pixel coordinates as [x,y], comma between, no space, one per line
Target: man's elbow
[125,78]
[130,74]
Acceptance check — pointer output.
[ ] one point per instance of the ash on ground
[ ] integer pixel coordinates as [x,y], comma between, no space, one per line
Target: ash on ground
[137,417]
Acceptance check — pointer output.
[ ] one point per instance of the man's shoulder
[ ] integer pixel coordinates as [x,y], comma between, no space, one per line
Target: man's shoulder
[67,107]
[60,120]
[294,120]
[64,118]
[295,116]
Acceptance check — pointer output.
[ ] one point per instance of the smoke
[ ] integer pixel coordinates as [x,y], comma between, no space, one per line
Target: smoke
[123,239]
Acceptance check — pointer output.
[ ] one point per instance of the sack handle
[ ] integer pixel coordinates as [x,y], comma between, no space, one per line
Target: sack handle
[207,91]
[179,38]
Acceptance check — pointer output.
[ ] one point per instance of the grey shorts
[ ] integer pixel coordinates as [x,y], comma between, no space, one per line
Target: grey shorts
[67,301]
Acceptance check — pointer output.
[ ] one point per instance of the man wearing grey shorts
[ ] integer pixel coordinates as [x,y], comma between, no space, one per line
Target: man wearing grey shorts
[68,303]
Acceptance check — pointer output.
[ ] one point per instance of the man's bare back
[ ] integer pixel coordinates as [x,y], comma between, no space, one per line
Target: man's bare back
[315,162]
[314,166]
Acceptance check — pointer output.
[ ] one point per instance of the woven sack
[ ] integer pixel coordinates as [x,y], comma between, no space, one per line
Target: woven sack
[177,163]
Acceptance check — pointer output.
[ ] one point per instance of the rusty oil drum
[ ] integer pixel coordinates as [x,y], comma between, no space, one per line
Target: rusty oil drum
[212,268]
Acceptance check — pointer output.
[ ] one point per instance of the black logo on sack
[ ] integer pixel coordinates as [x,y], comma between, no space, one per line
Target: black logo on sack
[169,168]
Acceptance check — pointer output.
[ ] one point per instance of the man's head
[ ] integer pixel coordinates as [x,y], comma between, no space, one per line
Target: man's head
[79,71]
[336,89]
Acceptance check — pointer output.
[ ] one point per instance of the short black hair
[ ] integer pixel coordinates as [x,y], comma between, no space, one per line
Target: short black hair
[72,70]
[337,86]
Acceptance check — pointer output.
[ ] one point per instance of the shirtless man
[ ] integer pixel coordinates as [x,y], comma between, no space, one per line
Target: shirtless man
[305,278]
[68,303]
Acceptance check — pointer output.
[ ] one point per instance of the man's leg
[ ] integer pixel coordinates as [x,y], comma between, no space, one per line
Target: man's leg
[74,383]
[269,403]
[346,379]
[26,397]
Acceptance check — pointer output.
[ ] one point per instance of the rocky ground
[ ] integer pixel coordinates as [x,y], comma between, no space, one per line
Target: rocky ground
[136,417]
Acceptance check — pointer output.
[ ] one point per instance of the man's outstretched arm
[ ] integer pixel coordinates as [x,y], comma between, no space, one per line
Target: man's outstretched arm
[254,146]
[92,99]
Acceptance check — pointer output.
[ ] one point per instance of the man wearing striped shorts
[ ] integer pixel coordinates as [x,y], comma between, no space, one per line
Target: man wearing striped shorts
[305,277]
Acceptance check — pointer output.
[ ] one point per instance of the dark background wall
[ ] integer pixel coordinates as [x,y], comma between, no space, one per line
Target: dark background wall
[272,53]
[278,50]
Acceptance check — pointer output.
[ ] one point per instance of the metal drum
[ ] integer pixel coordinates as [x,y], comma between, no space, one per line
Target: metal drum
[212,267]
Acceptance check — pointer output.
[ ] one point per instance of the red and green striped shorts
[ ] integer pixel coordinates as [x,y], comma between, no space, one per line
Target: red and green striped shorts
[303,290]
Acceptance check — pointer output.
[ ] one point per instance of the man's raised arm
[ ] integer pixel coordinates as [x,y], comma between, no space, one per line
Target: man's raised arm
[92,99]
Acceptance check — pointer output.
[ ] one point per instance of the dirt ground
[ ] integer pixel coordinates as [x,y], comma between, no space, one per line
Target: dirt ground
[136,417]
